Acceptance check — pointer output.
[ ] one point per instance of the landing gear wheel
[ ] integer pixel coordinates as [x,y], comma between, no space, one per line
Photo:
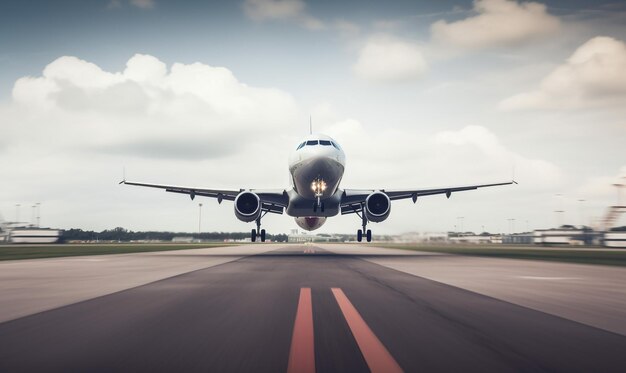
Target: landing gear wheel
[369,235]
[359,235]
[253,235]
[262,235]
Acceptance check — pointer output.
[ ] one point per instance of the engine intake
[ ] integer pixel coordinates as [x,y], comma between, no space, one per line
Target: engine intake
[377,207]
[247,207]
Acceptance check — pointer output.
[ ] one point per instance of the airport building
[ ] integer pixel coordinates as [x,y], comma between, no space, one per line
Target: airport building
[518,239]
[296,236]
[566,235]
[33,235]
[615,239]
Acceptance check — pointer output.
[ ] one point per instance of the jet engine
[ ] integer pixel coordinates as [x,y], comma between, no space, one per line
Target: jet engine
[377,207]
[247,207]
[310,223]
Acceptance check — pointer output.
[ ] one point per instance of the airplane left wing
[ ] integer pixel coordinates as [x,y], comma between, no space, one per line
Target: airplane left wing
[272,200]
[353,199]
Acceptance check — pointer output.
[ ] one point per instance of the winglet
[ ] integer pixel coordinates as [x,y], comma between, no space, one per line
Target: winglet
[123,176]
[513,175]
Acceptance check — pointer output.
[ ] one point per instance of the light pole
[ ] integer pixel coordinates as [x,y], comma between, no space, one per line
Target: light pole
[460,218]
[38,204]
[619,192]
[511,225]
[199,218]
[17,213]
[581,212]
[560,211]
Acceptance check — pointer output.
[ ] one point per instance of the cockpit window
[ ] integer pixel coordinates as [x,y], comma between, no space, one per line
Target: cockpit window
[325,142]
[301,145]
[311,142]
[335,145]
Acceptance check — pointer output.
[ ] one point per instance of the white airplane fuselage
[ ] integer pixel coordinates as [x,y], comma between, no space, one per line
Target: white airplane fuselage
[316,168]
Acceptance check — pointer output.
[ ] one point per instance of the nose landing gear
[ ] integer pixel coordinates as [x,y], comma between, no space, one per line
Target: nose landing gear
[318,205]
[318,186]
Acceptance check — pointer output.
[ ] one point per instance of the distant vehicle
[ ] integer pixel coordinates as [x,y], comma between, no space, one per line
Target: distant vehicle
[316,167]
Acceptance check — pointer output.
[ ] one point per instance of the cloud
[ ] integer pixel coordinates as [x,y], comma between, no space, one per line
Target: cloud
[69,131]
[192,111]
[602,187]
[592,76]
[498,23]
[143,4]
[114,4]
[472,154]
[385,58]
[479,140]
[292,10]
[346,28]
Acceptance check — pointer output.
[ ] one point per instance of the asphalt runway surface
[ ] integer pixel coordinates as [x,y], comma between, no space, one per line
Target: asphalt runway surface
[295,308]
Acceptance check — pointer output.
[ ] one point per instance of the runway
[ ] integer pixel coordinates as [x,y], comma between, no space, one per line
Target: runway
[328,308]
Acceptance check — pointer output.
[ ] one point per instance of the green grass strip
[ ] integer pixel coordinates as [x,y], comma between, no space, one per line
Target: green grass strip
[586,256]
[15,252]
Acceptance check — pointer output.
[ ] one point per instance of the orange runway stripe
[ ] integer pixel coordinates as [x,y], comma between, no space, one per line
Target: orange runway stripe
[302,353]
[376,356]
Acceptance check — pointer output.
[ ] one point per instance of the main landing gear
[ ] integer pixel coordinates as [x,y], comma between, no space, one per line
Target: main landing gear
[364,232]
[258,232]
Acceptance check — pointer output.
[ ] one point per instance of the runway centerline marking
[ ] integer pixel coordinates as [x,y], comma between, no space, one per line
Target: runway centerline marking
[376,356]
[302,352]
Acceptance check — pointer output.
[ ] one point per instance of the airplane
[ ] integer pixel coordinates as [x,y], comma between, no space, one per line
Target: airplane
[316,167]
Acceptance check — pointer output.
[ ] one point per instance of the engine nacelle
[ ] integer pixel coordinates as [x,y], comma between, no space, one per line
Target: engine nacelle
[310,223]
[247,206]
[377,207]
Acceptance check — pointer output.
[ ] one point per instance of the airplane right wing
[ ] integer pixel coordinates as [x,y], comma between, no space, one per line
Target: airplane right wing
[352,200]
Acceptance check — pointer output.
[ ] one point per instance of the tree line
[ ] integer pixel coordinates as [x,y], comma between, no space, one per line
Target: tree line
[123,235]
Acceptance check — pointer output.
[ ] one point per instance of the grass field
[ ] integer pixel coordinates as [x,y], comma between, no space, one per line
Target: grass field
[13,252]
[601,256]
[570,255]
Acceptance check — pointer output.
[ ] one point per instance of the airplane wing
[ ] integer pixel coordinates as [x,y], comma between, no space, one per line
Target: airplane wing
[273,201]
[352,200]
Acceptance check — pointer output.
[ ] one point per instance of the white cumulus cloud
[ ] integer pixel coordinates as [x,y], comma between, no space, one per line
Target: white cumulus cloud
[192,110]
[593,76]
[498,23]
[471,154]
[389,59]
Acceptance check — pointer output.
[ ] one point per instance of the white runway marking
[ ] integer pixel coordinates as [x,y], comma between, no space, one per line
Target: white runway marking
[544,278]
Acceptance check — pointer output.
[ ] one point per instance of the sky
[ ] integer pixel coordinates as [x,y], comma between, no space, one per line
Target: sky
[217,94]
